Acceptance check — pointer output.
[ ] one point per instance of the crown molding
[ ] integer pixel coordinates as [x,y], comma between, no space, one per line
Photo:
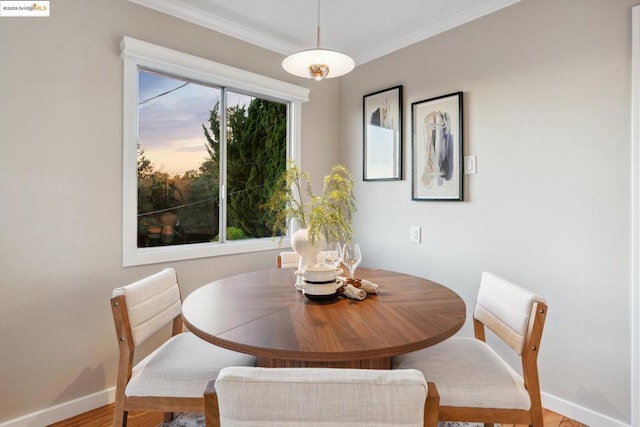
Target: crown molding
[181,10]
[452,21]
[197,16]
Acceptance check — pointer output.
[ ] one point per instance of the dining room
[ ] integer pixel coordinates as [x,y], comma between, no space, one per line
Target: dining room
[547,200]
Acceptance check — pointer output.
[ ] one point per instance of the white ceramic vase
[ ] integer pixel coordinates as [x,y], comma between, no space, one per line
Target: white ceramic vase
[308,251]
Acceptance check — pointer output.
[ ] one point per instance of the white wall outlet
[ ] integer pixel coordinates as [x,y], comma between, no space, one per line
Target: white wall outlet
[415,234]
[470,165]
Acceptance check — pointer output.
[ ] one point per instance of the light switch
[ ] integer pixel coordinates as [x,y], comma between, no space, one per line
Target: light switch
[415,234]
[470,165]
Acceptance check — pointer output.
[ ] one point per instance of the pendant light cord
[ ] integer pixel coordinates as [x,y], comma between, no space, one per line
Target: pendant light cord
[318,28]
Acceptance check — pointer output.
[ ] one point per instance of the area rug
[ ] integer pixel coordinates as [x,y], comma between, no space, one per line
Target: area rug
[185,420]
[197,420]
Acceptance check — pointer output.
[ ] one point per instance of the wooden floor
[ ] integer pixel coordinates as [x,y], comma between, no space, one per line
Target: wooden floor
[103,417]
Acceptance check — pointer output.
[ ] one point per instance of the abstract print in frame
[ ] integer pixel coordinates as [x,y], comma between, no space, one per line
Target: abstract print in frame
[382,122]
[436,126]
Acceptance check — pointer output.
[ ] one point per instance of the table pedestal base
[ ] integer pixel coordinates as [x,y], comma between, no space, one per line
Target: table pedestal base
[381,363]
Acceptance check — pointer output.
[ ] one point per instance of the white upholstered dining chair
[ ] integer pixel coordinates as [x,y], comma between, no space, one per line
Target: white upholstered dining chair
[287,259]
[174,376]
[474,382]
[320,397]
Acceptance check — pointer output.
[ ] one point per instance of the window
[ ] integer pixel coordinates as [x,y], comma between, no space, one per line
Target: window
[181,154]
[203,144]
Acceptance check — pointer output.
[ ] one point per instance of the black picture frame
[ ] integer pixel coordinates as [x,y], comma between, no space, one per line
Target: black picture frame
[382,135]
[437,143]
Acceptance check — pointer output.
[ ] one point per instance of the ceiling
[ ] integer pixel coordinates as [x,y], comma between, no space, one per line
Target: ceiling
[362,29]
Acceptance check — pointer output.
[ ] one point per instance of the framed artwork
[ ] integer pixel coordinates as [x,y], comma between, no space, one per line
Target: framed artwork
[382,130]
[436,127]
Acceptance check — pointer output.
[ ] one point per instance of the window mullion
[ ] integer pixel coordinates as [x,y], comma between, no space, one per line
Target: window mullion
[222,232]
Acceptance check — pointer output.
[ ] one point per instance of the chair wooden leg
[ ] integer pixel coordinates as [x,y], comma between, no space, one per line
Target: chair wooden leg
[119,414]
[536,418]
[211,411]
[536,413]
[431,406]
[168,417]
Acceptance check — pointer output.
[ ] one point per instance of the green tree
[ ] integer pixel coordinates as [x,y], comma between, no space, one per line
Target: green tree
[199,216]
[145,167]
[256,157]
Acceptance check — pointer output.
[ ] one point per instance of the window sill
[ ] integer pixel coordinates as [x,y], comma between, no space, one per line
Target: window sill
[142,256]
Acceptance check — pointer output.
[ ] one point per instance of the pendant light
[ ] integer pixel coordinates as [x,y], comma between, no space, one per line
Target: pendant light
[318,63]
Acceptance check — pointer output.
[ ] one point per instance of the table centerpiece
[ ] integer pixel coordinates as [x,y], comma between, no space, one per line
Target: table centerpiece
[319,218]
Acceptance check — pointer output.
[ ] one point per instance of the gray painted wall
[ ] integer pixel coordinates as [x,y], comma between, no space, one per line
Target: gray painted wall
[547,112]
[60,189]
[546,87]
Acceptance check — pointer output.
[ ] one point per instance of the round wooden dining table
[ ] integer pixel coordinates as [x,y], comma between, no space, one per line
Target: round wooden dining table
[261,313]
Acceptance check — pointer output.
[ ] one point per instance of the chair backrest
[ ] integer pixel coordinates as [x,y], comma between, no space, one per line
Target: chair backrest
[292,259]
[288,259]
[270,397]
[506,309]
[149,305]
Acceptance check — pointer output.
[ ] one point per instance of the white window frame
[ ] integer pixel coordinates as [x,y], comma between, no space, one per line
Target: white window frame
[137,53]
[635,216]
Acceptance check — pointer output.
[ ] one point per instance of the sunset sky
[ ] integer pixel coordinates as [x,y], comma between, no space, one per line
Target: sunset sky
[170,126]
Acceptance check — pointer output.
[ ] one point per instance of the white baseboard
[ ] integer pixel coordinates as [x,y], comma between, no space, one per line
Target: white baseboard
[87,403]
[64,410]
[578,413]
